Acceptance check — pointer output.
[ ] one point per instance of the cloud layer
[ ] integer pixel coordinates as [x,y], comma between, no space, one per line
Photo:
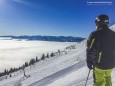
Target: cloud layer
[14,53]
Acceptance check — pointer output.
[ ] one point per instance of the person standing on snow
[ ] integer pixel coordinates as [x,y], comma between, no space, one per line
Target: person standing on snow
[101,52]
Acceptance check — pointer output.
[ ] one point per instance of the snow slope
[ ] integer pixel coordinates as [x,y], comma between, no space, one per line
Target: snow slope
[67,69]
[113,27]
[47,67]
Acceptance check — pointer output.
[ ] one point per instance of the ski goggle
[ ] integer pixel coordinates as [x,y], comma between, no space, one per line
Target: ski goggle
[104,21]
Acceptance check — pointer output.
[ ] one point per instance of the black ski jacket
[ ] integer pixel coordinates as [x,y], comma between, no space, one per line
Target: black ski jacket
[101,48]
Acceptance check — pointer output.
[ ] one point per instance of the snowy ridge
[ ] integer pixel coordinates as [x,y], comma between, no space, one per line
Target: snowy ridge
[112,27]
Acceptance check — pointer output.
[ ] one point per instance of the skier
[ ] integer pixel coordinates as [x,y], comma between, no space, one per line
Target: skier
[101,52]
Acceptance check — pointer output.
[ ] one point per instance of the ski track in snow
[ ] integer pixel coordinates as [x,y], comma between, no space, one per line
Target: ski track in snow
[59,74]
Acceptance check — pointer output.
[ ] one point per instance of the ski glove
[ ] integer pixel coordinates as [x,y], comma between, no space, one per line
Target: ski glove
[90,65]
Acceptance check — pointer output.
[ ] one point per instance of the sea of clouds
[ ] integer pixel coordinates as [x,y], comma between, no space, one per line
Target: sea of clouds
[14,53]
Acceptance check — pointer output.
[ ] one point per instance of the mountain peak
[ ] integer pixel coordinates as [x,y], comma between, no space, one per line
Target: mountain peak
[112,27]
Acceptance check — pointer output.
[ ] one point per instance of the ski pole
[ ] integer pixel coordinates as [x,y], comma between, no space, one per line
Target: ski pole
[87,78]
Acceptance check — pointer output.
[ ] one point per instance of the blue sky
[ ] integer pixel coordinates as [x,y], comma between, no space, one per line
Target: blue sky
[51,17]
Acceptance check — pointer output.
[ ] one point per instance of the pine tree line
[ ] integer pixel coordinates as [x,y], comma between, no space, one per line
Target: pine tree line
[26,64]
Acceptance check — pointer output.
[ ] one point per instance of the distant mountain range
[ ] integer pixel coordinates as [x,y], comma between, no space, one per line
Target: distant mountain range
[46,38]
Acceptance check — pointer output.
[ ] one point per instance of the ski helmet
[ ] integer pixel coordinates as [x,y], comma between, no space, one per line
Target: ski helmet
[104,19]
